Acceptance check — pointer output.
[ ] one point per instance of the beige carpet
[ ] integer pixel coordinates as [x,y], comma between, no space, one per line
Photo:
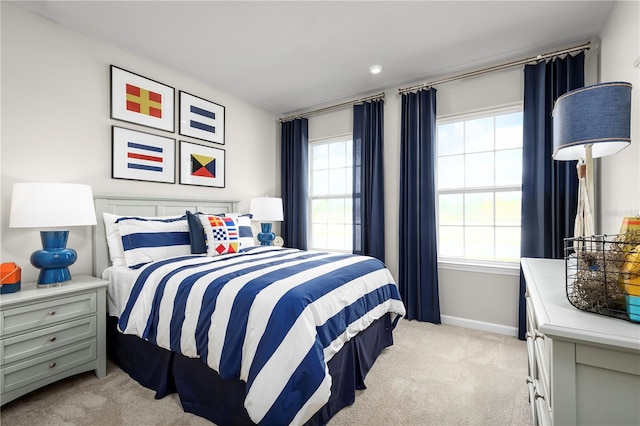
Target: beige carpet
[433,375]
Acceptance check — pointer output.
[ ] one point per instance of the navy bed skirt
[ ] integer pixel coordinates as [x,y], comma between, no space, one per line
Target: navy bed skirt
[204,393]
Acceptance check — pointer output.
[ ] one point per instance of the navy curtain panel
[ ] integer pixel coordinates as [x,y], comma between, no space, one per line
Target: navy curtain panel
[368,179]
[418,257]
[294,146]
[549,188]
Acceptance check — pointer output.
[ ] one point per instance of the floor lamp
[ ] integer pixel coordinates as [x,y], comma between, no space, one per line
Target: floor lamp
[591,122]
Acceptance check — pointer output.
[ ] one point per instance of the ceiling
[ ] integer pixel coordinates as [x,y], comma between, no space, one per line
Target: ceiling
[291,56]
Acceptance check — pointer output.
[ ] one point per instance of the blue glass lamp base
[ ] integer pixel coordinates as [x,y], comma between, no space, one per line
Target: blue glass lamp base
[54,259]
[266,237]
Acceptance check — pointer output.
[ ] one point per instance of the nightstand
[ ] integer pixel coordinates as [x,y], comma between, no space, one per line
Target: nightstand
[47,334]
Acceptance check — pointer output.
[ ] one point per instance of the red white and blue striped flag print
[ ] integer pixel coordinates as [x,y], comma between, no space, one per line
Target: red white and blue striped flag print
[145,157]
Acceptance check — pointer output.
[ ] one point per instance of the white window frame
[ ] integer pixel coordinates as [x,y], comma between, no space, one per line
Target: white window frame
[311,198]
[465,264]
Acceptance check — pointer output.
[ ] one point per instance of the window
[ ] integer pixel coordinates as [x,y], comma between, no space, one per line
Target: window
[479,186]
[330,180]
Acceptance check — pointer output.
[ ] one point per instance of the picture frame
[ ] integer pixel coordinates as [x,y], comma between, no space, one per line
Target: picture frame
[142,156]
[202,165]
[201,119]
[140,100]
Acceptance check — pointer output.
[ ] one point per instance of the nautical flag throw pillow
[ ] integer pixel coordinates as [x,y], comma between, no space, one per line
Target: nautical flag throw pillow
[148,240]
[221,234]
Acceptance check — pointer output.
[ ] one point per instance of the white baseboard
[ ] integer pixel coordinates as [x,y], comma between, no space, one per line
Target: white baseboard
[479,325]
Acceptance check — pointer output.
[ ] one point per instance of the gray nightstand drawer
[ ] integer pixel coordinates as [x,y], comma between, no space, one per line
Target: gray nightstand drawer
[50,364]
[47,313]
[36,342]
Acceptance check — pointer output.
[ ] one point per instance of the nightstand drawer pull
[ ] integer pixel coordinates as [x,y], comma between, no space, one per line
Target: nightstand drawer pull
[539,395]
[53,364]
[52,313]
[52,338]
[539,335]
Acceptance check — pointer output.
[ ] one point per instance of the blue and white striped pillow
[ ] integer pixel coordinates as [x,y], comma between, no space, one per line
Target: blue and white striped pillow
[147,240]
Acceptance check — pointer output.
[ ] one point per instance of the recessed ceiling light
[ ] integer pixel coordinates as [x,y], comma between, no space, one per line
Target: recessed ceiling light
[375,69]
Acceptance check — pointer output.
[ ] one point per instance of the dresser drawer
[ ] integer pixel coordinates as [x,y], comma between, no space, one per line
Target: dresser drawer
[24,318]
[47,365]
[36,342]
[543,385]
[543,413]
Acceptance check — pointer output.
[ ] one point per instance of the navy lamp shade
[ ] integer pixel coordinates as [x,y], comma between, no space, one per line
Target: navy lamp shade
[266,210]
[52,205]
[591,122]
[598,115]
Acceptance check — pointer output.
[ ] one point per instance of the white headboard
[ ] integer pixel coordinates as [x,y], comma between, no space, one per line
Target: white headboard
[141,206]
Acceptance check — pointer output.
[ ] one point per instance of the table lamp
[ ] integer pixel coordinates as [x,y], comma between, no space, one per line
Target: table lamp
[266,210]
[591,122]
[52,205]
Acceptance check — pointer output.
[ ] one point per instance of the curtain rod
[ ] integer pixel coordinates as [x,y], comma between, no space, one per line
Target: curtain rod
[584,46]
[332,107]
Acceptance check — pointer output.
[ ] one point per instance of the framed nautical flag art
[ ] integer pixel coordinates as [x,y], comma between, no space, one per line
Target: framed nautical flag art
[201,119]
[201,165]
[139,100]
[142,156]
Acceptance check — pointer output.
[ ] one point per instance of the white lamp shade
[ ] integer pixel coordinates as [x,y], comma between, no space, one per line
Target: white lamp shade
[50,205]
[597,115]
[266,209]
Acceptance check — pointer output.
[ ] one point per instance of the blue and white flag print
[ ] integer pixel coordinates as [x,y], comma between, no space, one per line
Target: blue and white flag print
[201,119]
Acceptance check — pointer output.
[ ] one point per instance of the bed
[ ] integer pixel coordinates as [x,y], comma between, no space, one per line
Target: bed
[244,334]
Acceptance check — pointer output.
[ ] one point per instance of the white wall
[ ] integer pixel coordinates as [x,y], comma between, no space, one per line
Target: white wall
[56,127]
[619,190]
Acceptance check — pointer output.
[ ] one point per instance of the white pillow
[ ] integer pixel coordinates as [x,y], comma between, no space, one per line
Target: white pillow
[116,252]
[222,234]
[146,240]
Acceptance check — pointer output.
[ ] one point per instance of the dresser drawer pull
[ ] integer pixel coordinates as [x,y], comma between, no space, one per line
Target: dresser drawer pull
[529,380]
[539,335]
[539,396]
[52,338]
[52,364]
[52,313]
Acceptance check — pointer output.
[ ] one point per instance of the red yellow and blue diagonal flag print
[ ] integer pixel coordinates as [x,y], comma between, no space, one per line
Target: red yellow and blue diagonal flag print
[144,101]
[203,166]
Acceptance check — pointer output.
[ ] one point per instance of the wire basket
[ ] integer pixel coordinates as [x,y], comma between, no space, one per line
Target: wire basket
[603,274]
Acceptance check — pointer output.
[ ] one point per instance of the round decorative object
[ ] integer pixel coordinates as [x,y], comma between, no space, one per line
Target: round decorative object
[278,241]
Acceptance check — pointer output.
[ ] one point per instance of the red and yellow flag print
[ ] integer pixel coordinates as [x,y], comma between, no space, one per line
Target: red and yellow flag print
[144,101]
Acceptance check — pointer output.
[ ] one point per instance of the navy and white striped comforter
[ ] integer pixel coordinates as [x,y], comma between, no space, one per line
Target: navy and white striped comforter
[271,317]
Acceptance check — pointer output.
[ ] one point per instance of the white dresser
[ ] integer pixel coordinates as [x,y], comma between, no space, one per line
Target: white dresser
[47,334]
[584,368]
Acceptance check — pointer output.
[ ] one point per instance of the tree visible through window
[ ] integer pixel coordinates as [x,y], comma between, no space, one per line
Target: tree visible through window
[330,181]
[479,175]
